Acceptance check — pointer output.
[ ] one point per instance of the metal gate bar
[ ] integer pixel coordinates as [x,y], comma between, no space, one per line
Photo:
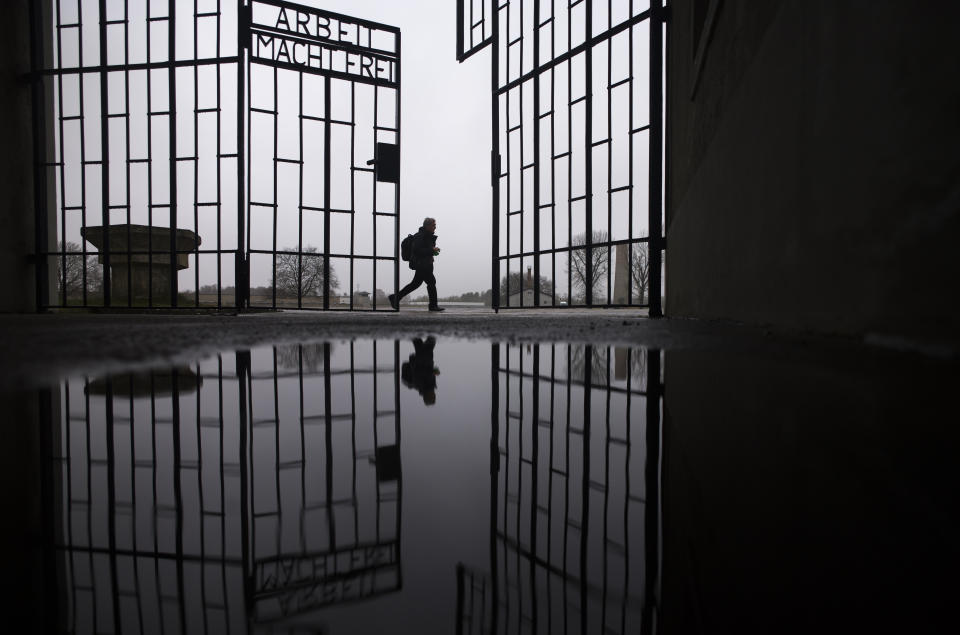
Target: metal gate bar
[521,199]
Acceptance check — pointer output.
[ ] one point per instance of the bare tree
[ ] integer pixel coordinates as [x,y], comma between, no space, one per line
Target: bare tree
[638,367]
[602,358]
[597,361]
[309,357]
[308,278]
[71,277]
[640,271]
[599,259]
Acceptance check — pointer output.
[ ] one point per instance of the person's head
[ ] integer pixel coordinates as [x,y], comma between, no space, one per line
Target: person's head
[430,224]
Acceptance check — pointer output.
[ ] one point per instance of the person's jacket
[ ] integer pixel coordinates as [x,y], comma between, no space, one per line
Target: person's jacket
[418,372]
[422,252]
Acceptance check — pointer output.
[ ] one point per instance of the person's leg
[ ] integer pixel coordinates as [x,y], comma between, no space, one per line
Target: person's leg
[416,282]
[431,281]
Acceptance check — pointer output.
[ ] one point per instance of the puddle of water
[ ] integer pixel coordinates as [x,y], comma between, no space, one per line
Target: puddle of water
[450,486]
[365,486]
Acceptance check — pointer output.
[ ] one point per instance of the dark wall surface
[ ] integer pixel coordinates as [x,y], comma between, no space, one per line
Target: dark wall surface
[16,160]
[814,173]
[27,586]
[809,494]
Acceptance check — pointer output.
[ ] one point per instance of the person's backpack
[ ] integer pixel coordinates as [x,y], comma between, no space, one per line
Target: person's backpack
[406,247]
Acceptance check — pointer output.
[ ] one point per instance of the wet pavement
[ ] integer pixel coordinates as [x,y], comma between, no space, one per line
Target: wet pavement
[590,472]
[41,347]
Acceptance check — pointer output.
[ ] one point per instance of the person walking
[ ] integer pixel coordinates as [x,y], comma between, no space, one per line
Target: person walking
[421,261]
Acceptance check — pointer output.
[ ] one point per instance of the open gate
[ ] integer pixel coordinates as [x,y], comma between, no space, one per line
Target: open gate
[214,154]
[577,160]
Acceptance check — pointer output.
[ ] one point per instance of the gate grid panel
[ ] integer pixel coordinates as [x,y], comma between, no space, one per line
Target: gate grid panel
[137,102]
[167,489]
[576,167]
[574,493]
[323,118]
[142,115]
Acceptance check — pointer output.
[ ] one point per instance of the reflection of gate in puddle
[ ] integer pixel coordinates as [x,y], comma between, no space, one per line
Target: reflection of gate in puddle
[574,524]
[229,495]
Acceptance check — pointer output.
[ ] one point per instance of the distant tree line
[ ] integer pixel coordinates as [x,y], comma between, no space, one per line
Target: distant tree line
[303,274]
[311,276]
[470,296]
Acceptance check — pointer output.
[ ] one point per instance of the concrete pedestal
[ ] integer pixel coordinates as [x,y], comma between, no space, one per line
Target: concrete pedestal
[134,268]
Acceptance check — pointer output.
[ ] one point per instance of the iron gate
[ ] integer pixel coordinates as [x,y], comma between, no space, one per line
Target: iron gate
[577,160]
[214,153]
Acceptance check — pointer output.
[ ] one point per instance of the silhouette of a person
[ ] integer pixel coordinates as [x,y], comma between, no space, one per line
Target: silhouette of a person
[419,373]
[421,261]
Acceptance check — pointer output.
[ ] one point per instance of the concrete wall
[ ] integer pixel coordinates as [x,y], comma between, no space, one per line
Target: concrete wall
[814,175]
[16,160]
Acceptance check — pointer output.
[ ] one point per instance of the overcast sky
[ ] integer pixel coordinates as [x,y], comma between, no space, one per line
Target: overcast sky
[445,126]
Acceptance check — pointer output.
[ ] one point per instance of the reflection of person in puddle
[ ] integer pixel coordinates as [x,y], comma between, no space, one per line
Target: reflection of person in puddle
[419,373]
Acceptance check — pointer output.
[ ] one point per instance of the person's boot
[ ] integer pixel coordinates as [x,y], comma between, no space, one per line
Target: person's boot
[393,301]
[437,308]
